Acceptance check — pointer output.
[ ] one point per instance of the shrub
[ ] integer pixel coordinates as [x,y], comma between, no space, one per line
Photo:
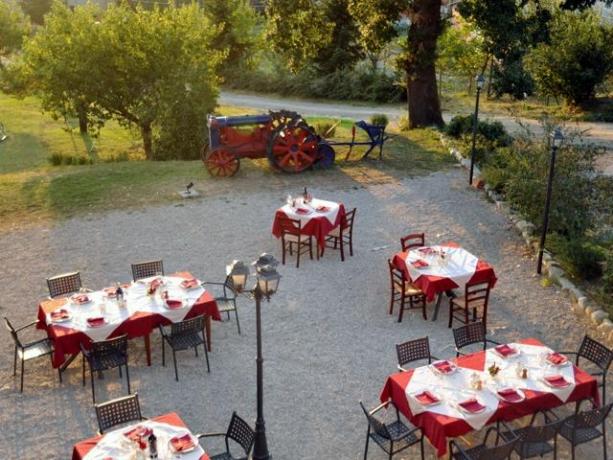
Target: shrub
[491,135]
[379,119]
[58,159]
[582,259]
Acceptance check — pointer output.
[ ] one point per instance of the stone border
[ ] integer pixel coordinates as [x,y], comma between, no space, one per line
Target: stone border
[580,303]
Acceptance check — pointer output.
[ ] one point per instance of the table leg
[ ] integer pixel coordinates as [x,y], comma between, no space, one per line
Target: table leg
[148,349]
[439,299]
[207,331]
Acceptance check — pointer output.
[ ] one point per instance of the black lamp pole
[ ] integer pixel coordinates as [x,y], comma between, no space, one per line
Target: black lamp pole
[480,83]
[556,140]
[260,447]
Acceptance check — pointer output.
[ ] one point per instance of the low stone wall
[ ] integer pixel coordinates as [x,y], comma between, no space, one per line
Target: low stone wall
[580,303]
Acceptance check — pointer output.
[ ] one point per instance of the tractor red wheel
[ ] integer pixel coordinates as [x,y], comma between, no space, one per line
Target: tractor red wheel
[293,149]
[221,162]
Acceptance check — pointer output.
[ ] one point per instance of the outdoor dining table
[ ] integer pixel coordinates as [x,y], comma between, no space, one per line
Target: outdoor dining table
[140,316]
[317,218]
[113,444]
[447,419]
[435,275]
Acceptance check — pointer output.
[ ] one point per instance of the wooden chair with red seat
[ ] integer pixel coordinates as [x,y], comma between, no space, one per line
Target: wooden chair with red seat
[413,240]
[403,291]
[341,236]
[291,236]
[476,297]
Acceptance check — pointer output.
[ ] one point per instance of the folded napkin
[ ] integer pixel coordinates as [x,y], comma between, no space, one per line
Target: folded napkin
[80,298]
[182,443]
[426,398]
[323,209]
[510,395]
[472,405]
[96,321]
[189,283]
[444,367]
[426,250]
[303,211]
[557,381]
[60,314]
[111,291]
[173,303]
[556,358]
[505,350]
[419,263]
[137,433]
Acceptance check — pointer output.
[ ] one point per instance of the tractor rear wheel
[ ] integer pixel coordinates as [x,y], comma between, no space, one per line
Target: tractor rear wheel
[221,162]
[293,148]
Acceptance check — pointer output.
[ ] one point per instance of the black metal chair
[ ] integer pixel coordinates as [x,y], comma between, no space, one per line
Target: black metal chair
[471,334]
[414,350]
[535,440]
[238,431]
[27,351]
[66,283]
[582,427]
[597,354]
[498,451]
[104,355]
[393,437]
[226,303]
[118,412]
[183,336]
[147,269]
[341,236]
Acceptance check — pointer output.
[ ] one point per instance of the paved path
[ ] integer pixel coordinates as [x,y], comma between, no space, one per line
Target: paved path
[599,133]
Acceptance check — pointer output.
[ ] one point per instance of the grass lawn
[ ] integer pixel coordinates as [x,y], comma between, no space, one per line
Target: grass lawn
[31,190]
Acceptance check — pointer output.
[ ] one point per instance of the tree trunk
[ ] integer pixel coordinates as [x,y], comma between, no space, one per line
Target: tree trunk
[82,114]
[422,92]
[147,135]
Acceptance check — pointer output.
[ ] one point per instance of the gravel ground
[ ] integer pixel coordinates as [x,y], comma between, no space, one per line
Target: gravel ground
[328,340]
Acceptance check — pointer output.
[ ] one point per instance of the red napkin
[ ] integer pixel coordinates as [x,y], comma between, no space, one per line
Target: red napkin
[172,304]
[137,433]
[302,211]
[96,321]
[505,350]
[556,358]
[443,366]
[419,263]
[59,314]
[189,284]
[557,381]
[81,298]
[472,405]
[510,395]
[323,209]
[183,443]
[426,398]
[426,250]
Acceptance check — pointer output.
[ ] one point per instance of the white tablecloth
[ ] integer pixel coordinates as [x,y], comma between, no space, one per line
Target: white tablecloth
[312,207]
[459,265]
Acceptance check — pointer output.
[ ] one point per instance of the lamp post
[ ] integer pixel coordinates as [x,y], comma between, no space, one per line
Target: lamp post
[266,285]
[556,140]
[480,83]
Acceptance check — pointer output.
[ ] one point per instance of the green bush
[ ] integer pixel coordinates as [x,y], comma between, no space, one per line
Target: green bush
[379,119]
[581,258]
[491,135]
[58,159]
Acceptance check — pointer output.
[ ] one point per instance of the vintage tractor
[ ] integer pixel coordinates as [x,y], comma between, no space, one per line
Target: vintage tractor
[290,144]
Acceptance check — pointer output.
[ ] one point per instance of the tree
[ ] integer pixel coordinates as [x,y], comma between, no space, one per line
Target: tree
[577,59]
[378,20]
[133,65]
[14,26]
[36,9]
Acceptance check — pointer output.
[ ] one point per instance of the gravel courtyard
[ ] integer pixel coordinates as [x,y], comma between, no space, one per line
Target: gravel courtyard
[328,340]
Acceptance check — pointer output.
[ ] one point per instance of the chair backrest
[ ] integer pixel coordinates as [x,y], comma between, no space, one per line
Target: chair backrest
[396,277]
[375,424]
[591,418]
[349,218]
[477,294]
[188,326]
[413,240]
[66,283]
[240,432]
[470,334]
[413,350]
[289,226]
[540,433]
[117,412]
[500,452]
[146,269]
[102,347]
[12,331]
[595,352]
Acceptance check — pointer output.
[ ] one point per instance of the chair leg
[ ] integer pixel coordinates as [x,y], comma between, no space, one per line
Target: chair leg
[450,314]
[206,356]
[423,308]
[22,369]
[120,375]
[604,438]
[283,252]
[391,302]
[342,250]
[401,313]
[311,248]
[174,360]
[366,447]
[298,251]
[83,367]
[238,324]
[421,447]
[15,362]
[163,353]
[91,375]
[128,377]
[196,351]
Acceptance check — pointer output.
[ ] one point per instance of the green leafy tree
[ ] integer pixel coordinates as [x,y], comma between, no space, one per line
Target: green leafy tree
[577,59]
[14,27]
[36,9]
[378,21]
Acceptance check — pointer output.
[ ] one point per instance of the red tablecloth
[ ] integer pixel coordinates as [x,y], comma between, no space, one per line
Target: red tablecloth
[434,285]
[437,428]
[318,226]
[82,448]
[67,341]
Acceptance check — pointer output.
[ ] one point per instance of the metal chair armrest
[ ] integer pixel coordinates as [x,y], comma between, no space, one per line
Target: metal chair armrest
[594,374]
[489,431]
[402,369]
[36,342]
[209,435]
[434,358]
[19,329]
[458,352]
[162,331]
[460,451]
[493,342]
[381,406]
[510,430]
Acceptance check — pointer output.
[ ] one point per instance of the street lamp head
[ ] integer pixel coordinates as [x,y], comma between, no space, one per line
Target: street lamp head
[480,82]
[265,259]
[238,273]
[268,279]
[557,137]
